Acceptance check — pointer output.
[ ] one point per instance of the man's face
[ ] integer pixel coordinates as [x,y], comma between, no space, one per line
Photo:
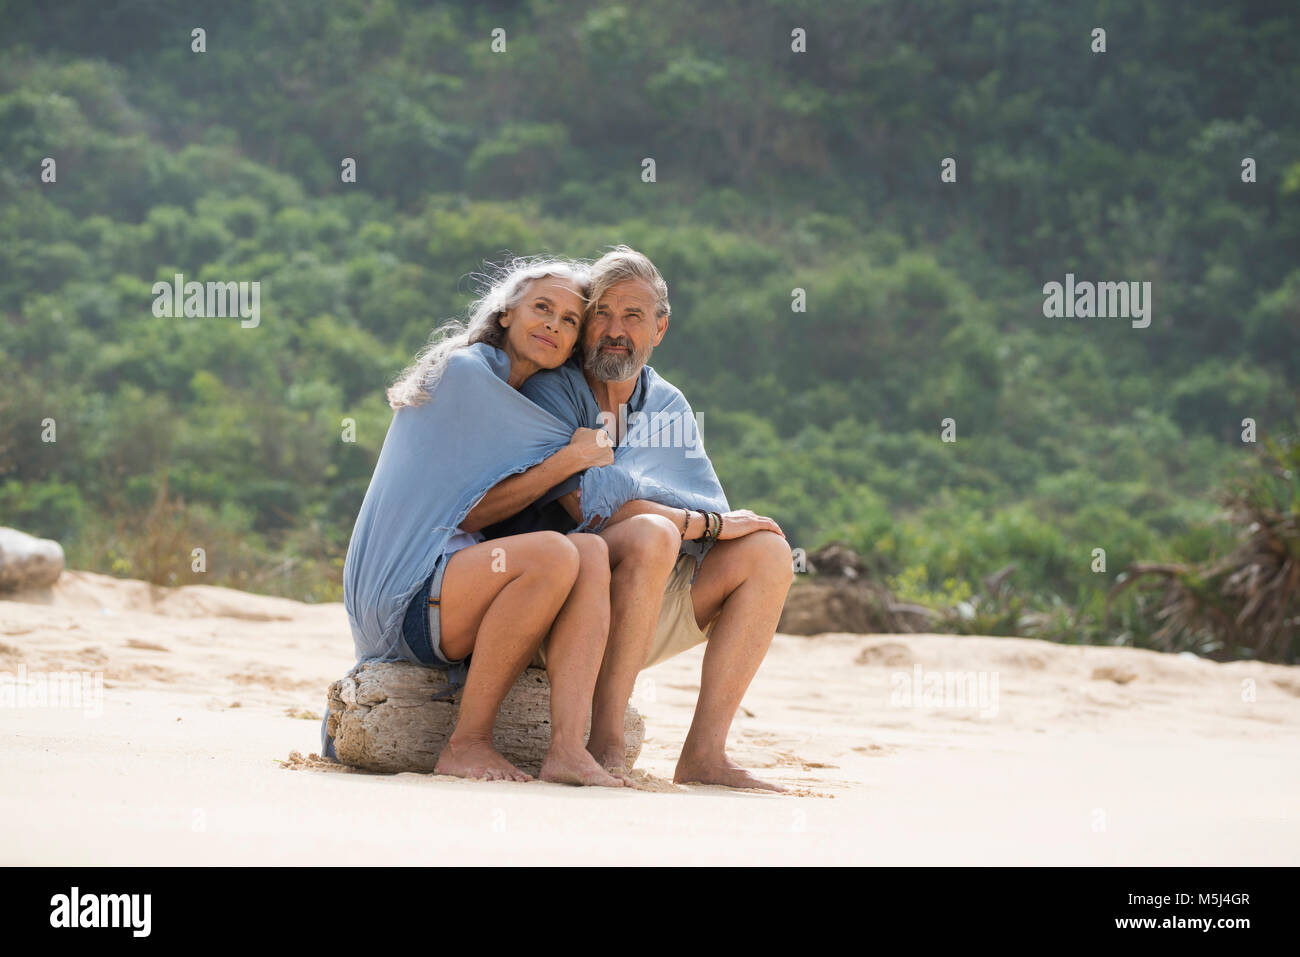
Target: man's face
[622,331]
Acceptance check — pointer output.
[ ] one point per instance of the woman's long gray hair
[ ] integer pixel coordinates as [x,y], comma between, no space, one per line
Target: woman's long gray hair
[504,287]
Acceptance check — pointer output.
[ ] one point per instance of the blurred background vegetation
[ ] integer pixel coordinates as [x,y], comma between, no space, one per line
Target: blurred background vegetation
[775,170]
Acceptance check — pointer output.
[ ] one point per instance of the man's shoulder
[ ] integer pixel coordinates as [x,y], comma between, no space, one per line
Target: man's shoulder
[567,375]
[655,384]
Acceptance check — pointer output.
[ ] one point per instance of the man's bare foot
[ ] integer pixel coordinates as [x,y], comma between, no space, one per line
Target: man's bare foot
[610,755]
[477,759]
[725,772]
[576,766]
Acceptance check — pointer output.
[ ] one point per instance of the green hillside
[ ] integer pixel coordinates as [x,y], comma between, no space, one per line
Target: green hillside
[774,171]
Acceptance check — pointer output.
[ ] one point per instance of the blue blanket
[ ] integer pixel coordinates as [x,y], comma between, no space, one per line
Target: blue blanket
[440,458]
[661,458]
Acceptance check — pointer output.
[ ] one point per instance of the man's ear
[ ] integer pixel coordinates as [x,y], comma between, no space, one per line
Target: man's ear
[661,326]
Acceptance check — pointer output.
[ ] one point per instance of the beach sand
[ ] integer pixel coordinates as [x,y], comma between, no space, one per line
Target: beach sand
[210,714]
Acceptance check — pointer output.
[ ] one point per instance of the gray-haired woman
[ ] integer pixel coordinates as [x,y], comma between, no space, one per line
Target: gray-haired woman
[490,605]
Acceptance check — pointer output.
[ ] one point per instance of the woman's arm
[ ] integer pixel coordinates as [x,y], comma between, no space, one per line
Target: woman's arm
[588,448]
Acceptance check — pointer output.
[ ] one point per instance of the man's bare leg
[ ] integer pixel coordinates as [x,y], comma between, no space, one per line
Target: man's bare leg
[642,552]
[573,659]
[744,582]
[500,611]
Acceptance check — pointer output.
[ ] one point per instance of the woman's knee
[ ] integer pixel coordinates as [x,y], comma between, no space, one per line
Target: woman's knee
[553,555]
[593,556]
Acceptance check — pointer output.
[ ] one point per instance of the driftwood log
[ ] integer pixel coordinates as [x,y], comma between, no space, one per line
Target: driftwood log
[384,718]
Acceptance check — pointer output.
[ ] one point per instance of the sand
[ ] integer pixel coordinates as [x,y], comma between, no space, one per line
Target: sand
[202,753]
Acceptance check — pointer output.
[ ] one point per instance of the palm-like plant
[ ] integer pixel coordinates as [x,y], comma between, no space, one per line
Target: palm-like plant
[1247,603]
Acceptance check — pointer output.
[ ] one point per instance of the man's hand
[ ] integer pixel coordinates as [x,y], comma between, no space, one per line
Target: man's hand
[591,448]
[743,522]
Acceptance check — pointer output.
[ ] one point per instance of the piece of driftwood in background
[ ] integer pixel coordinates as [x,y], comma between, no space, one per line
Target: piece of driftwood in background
[384,718]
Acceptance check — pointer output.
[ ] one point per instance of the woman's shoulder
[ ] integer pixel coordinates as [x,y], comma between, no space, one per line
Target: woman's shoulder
[471,355]
[480,357]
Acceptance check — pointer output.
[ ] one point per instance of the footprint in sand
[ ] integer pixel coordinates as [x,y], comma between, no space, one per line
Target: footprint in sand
[145,645]
[1119,675]
[874,750]
[889,654]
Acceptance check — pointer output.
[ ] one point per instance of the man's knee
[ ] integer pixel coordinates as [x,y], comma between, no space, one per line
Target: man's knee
[769,556]
[655,541]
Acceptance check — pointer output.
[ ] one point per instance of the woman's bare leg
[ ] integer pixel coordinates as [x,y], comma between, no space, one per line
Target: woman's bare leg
[499,599]
[573,655]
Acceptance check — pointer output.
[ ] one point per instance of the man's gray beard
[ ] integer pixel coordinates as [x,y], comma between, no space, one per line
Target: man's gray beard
[609,367]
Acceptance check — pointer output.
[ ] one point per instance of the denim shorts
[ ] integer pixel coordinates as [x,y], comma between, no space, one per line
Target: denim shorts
[422,626]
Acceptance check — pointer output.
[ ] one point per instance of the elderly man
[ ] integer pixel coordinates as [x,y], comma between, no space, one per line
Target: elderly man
[679,575]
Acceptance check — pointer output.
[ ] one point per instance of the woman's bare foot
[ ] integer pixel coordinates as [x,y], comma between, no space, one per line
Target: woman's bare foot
[610,755]
[576,766]
[477,759]
[725,772]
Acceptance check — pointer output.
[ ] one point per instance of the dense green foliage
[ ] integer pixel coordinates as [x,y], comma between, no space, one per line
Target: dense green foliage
[775,170]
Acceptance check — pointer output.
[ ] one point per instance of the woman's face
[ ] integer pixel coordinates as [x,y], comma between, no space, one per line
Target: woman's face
[542,330]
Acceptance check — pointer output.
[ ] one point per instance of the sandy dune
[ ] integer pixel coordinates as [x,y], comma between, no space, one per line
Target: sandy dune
[1076,755]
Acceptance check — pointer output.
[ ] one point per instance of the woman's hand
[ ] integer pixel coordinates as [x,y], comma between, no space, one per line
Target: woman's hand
[591,448]
[743,522]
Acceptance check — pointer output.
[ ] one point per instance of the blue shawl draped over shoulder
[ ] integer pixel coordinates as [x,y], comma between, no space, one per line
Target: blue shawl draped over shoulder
[661,458]
[438,460]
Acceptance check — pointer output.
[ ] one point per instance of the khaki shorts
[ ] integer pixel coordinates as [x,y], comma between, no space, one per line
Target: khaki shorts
[677,631]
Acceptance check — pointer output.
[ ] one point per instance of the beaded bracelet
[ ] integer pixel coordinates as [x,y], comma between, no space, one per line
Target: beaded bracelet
[714,526]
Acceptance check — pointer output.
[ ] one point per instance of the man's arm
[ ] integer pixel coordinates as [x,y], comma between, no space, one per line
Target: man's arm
[587,448]
[572,503]
[735,524]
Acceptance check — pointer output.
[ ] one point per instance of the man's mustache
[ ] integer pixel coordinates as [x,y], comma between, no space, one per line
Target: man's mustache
[623,341]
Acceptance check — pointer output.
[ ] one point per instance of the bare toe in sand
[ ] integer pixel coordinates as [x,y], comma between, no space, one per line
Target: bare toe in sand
[576,767]
[725,772]
[477,759]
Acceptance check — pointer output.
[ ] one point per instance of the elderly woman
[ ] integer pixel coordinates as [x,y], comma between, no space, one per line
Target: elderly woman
[464,450]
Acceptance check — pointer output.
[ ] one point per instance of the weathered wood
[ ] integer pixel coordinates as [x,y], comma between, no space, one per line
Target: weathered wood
[384,718]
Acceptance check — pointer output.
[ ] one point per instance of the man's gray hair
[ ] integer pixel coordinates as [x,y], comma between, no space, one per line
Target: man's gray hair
[621,264]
